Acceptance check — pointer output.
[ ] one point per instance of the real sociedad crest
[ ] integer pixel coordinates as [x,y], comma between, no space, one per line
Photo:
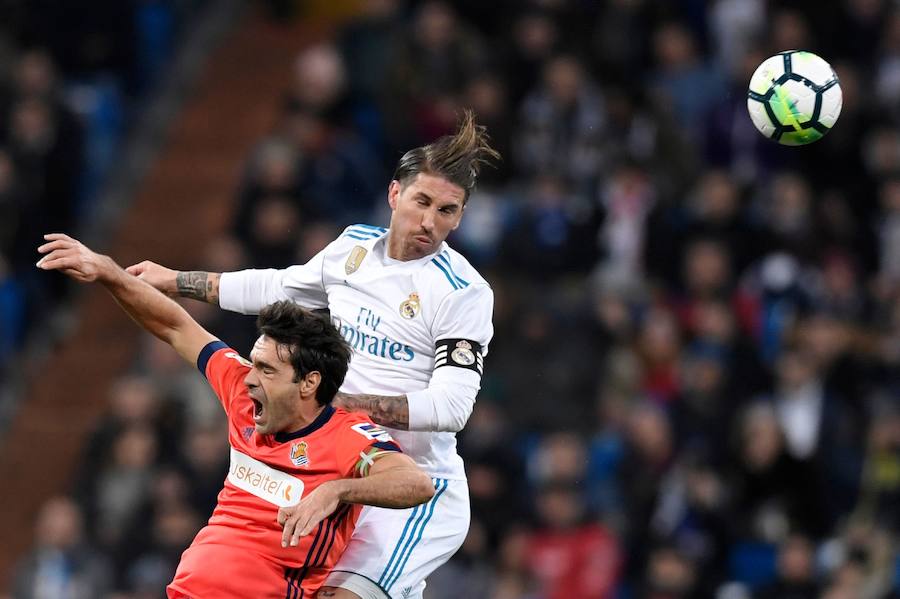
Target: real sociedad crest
[299,454]
[410,307]
[355,259]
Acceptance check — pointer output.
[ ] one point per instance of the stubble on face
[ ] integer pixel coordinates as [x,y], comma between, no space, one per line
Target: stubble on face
[425,211]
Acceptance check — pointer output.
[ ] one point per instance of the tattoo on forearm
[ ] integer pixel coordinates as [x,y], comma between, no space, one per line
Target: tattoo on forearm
[198,285]
[389,411]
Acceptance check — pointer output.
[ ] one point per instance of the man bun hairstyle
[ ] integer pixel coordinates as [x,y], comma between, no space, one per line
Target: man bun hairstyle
[456,158]
[313,343]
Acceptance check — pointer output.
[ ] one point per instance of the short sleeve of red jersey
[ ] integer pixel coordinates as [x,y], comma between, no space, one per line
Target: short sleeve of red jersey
[225,370]
[356,439]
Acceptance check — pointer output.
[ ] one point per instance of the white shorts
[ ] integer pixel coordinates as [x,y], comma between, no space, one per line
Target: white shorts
[391,552]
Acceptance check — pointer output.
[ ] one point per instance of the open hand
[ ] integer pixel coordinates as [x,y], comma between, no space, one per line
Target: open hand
[72,258]
[300,520]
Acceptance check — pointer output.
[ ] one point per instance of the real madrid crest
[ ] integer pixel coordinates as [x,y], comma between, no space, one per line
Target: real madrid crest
[410,307]
[300,454]
[463,353]
[355,259]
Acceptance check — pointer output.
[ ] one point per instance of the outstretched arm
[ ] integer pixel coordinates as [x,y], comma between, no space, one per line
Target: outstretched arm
[245,291]
[194,284]
[393,481]
[149,308]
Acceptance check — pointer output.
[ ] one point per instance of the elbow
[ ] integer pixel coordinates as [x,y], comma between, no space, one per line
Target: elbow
[458,416]
[454,419]
[441,409]
[423,490]
[456,422]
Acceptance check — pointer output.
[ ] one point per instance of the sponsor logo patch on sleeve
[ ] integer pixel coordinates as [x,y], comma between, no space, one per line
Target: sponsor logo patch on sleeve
[372,432]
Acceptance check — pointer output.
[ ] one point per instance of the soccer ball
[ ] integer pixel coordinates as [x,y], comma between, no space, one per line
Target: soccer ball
[795,98]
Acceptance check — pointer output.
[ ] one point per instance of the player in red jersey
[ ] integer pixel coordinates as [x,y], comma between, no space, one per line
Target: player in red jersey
[300,469]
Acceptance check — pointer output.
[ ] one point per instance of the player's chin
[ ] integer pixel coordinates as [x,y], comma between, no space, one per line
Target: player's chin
[420,249]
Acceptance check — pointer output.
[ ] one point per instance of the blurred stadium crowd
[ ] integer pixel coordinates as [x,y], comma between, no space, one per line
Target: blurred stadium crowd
[71,82]
[694,386]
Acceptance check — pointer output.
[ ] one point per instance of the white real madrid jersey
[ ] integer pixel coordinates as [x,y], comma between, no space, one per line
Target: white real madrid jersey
[413,325]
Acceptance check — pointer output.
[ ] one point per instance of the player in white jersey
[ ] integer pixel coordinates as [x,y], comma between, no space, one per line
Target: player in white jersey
[418,317]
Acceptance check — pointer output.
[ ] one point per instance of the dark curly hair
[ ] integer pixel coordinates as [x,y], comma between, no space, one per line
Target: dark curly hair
[457,158]
[313,342]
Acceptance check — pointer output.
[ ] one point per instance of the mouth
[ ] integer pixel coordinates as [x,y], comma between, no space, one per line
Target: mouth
[258,411]
[422,240]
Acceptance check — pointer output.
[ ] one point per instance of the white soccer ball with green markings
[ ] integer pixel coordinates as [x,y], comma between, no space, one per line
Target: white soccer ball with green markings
[795,98]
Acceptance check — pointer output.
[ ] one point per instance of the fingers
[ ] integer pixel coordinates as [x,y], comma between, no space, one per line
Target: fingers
[287,519]
[57,259]
[295,525]
[68,267]
[67,264]
[55,236]
[63,255]
[139,268]
[58,244]
[57,241]
[302,527]
[310,525]
[295,538]
[288,531]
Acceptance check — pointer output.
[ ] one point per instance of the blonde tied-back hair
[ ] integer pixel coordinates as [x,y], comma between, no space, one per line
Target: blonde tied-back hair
[457,158]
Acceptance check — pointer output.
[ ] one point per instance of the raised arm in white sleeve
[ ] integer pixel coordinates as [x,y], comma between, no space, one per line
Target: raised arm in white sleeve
[462,330]
[249,291]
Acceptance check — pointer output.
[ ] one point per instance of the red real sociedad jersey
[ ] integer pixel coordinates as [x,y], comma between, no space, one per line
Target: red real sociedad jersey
[267,472]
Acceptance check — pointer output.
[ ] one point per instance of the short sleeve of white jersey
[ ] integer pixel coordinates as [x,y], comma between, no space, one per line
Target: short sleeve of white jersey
[462,330]
[249,291]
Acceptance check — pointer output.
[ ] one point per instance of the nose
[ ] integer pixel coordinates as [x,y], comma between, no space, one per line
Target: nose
[428,220]
[250,380]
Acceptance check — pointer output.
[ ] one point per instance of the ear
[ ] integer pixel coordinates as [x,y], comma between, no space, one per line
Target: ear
[310,383]
[393,194]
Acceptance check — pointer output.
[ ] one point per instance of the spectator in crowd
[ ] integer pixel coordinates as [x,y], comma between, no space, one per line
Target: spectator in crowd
[773,491]
[62,563]
[670,575]
[570,556]
[561,126]
[796,574]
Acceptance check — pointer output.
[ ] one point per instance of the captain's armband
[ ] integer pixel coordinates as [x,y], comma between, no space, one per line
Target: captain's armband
[461,353]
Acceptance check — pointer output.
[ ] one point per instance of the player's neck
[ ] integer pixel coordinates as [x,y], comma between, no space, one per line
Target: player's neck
[393,248]
[306,415]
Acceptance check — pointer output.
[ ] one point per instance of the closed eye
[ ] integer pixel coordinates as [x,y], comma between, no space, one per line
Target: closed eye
[264,367]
